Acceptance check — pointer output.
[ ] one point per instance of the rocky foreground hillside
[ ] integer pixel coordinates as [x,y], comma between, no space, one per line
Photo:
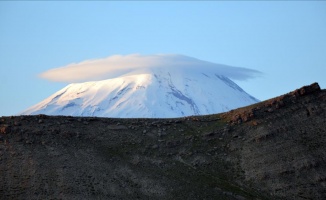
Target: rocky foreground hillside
[275,149]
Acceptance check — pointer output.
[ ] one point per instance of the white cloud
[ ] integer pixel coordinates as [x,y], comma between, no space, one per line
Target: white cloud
[117,65]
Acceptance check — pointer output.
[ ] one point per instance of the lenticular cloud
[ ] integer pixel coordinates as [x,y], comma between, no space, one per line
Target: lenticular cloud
[118,65]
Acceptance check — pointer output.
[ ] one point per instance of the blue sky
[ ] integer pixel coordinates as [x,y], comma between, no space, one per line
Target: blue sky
[284,40]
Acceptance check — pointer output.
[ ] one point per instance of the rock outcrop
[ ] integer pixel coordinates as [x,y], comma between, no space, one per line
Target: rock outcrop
[274,149]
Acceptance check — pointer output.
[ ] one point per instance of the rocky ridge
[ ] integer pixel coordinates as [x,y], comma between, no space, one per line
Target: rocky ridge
[270,150]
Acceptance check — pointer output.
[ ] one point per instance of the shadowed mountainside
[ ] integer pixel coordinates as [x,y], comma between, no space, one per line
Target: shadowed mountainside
[270,150]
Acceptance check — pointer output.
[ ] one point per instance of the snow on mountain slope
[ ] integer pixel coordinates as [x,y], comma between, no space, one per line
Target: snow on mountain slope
[148,93]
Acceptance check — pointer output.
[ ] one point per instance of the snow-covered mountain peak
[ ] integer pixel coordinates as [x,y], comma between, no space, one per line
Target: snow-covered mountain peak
[148,93]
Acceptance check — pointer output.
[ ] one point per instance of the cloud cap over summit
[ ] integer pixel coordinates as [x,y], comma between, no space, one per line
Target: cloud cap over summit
[118,65]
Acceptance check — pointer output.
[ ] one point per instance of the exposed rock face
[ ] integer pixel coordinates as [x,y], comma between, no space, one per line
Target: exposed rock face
[284,155]
[271,150]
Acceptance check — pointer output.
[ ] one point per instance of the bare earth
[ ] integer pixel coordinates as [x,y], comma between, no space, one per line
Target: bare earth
[275,149]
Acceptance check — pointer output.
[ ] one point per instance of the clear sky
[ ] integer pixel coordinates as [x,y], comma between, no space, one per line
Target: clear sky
[286,41]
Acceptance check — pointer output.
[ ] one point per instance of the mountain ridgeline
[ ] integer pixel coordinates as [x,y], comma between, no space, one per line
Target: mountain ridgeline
[275,149]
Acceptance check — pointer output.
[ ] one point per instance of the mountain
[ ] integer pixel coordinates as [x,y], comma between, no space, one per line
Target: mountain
[274,149]
[159,92]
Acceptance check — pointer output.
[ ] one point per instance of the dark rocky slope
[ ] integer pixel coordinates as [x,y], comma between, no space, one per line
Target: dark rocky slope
[271,150]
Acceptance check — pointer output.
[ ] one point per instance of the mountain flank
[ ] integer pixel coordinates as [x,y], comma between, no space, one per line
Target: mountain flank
[182,92]
[275,149]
